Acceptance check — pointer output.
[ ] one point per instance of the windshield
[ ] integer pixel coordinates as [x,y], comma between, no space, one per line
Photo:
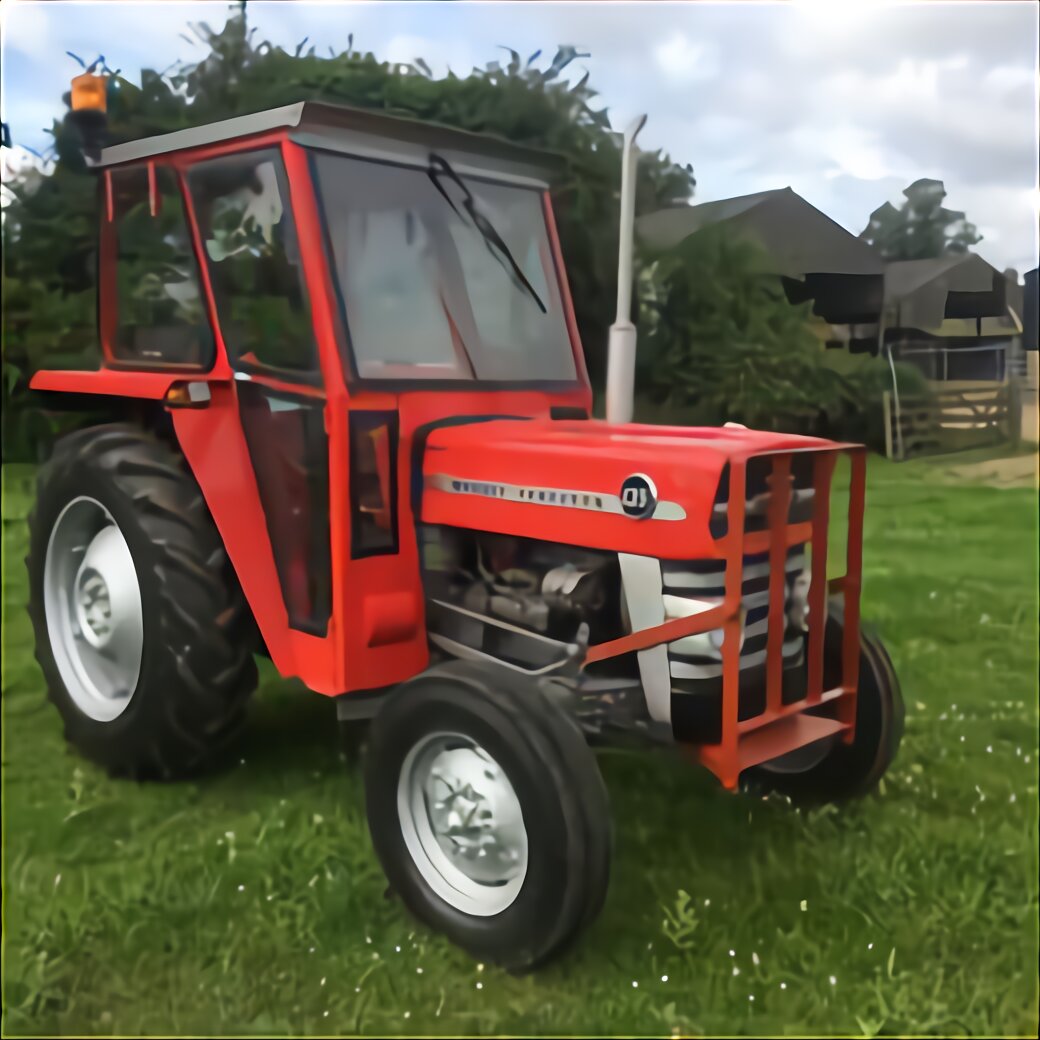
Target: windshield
[442,276]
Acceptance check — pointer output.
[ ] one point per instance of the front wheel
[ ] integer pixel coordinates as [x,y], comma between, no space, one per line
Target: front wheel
[488,812]
[831,770]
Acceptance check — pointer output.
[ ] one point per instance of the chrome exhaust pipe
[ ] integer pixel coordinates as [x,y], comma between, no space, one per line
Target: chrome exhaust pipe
[621,347]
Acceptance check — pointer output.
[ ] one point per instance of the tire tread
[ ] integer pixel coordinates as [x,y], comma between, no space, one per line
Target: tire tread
[203,624]
[552,738]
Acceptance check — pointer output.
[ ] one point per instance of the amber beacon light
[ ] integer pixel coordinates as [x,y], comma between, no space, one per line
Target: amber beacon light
[87,104]
[88,93]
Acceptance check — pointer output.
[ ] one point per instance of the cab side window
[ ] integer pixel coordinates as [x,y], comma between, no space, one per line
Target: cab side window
[160,318]
[253,254]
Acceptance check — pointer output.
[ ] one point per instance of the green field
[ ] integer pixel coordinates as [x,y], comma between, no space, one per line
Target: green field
[250,902]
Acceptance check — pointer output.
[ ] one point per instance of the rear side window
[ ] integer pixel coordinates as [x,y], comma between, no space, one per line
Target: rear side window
[253,253]
[160,318]
[285,435]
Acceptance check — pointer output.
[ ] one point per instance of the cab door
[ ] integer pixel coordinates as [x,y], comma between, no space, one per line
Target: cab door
[272,423]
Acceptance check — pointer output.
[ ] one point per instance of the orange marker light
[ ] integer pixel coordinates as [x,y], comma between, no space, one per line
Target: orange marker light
[88,92]
[187,395]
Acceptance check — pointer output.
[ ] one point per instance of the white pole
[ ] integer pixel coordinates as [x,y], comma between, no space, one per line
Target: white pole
[621,347]
[895,400]
[895,381]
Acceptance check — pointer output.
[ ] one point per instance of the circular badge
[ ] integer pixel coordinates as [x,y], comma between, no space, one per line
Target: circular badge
[638,497]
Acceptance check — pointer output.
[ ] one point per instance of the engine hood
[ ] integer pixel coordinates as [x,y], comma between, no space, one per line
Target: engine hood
[628,488]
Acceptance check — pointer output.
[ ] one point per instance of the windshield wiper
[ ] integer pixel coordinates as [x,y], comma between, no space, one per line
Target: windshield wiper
[493,240]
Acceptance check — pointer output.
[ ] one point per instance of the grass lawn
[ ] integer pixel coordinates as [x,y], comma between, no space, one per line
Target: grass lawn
[251,901]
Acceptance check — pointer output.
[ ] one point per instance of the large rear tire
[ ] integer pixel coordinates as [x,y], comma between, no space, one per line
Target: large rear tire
[488,812]
[142,632]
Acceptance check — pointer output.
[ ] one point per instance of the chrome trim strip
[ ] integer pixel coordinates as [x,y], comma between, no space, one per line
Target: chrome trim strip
[687,606]
[644,604]
[686,670]
[594,501]
[755,599]
[715,579]
[685,645]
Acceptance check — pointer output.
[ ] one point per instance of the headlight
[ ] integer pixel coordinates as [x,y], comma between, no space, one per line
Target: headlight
[798,604]
[704,644]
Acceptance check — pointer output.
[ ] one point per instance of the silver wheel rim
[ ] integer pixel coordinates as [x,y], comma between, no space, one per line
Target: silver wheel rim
[92,601]
[462,824]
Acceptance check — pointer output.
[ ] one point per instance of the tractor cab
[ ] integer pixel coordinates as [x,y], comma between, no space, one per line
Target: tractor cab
[363,445]
[309,291]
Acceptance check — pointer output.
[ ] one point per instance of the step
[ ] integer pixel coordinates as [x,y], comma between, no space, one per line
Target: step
[787,733]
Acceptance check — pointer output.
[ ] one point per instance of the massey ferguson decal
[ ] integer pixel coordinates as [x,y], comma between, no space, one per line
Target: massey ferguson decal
[639,496]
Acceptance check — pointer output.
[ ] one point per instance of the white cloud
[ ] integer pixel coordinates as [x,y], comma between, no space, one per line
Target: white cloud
[27,28]
[1007,78]
[857,152]
[845,102]
[682,60]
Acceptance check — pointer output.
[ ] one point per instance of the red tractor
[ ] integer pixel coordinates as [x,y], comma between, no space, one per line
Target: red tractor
[355,435]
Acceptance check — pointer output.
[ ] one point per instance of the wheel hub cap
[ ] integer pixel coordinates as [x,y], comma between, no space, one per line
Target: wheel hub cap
[475,815]
[93,607]
[462,823]
[92,601]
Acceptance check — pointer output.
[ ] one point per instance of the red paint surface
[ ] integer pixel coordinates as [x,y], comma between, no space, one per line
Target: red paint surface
[376,633]
[684,463]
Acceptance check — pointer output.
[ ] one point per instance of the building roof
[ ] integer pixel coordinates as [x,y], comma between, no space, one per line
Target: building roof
[798,239]
[358,131]
[921,294]
[815,257]
[964,272]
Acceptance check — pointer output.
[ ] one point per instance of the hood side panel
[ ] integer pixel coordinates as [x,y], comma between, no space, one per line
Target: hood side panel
[562,481]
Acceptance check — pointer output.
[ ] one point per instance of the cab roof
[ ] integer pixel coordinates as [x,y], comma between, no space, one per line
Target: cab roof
[356,131]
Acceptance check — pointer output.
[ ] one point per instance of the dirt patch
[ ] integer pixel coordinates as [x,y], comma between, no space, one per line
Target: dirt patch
[1014,472]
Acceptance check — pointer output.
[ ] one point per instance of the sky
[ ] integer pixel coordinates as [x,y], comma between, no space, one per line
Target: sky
[845,101]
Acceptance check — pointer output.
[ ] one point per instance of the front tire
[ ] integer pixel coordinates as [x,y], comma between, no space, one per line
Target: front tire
[141,630]
[488,812]
[833,770]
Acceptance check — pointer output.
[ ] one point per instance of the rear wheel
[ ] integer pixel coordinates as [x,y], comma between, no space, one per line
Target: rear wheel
[488,812]
[141,630]
[831,770]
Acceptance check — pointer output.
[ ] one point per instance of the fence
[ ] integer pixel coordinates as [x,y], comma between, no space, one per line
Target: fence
[941,363]
[950,420]
[1017,367]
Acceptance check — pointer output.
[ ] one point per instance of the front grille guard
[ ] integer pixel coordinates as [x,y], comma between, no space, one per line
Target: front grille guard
[781,727]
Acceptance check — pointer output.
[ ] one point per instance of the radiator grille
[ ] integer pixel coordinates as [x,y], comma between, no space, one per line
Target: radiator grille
[703,582]
[757,487]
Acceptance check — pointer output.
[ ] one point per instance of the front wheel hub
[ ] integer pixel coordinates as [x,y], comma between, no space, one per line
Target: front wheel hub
[462,823]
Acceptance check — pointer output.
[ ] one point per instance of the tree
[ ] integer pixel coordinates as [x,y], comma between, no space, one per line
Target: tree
[720,342]
[719,339]
[50,227]
[921,228]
